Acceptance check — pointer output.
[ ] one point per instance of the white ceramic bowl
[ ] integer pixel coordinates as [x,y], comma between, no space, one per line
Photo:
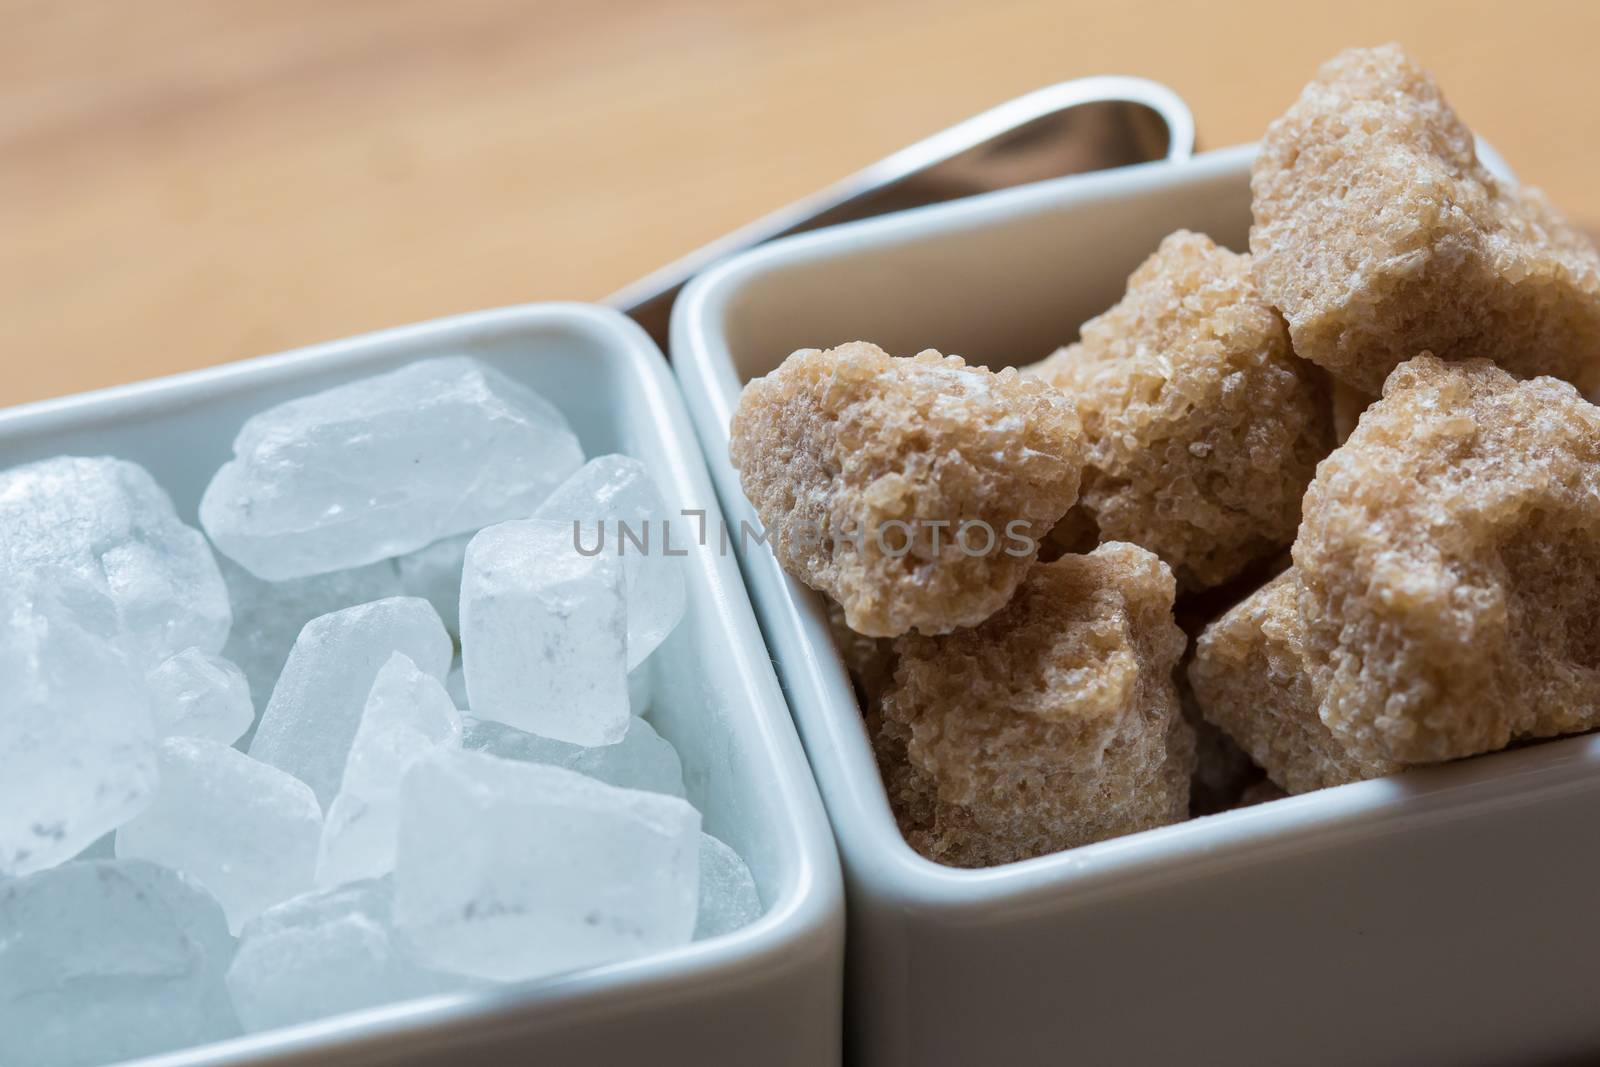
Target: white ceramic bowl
[767,994]
[1440,917]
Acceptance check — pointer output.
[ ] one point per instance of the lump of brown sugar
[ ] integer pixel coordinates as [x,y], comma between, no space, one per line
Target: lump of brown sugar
[1379,234]
[1053,724]
[1202,426]
[1249,677]
[1448,566]
[913,491]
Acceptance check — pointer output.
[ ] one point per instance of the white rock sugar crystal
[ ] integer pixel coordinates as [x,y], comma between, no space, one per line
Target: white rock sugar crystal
[77,745]
[728,897]
[406,714]
[196,694]
[106,960]
[619,510]
[643,759]
[434,573]
[268,616]
[323,953]
[317,703]
[511,870]
[107,522]
[544,634]
[246,831]
[384,466]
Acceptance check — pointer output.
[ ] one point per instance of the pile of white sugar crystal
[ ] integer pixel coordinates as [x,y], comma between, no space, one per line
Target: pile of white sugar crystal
[386,743]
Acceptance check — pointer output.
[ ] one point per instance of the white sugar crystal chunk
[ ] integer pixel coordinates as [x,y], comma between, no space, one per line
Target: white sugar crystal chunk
[196,694]
[384,466]
[324,953]
[406,714]
[246,831]
[108,523]
[643,759]
[544,634]
[77,745]
[728,897]
[268,616]
[107,960]
[317,703]
[434,573]
[511,870]
[618,509]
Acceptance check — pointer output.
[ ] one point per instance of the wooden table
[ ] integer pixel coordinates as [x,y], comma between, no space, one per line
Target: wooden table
[184,182]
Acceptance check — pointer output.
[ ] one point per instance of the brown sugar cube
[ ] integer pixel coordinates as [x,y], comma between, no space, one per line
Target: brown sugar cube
[1379,234]
[1203,429]
[913,491]
[1249,677]
[1448,566]
[1053,724]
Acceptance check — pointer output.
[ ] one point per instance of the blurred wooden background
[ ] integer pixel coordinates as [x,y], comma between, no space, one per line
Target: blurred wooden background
[184,182]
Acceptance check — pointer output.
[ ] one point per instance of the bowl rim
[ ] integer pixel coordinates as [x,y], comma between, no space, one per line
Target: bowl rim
[806,918]
[879,864]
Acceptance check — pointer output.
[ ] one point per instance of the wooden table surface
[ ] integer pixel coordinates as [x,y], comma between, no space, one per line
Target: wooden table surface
[184,182]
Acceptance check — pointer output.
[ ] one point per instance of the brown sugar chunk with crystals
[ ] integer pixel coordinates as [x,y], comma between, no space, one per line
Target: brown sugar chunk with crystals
[1203,429]
[1379,234]
[1249,678]
[1053,724]
[913,491]
[1449,566]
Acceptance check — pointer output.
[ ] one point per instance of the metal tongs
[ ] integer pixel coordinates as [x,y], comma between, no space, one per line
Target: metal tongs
[1073,127]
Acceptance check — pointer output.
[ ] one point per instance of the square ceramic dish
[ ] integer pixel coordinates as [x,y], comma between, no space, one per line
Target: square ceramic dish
[1436,917]
[766,994]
